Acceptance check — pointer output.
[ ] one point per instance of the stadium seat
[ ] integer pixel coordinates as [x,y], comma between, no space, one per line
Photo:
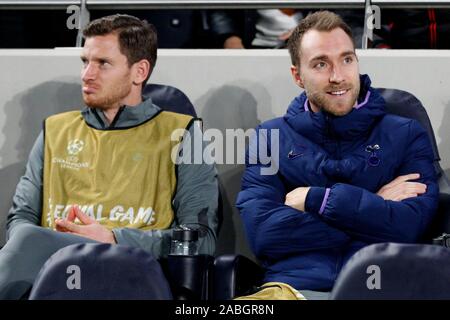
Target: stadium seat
[169,98]
[92,271]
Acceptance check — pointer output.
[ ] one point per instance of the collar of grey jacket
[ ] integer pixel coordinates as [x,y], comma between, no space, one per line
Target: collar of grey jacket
[128,116]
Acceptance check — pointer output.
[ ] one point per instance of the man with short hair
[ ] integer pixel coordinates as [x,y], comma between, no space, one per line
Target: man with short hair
[106,174]
[349,173]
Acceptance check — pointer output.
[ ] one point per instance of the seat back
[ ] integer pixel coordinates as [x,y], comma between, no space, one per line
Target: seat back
[92,271]
[405,104]
[169,98]
[395,271]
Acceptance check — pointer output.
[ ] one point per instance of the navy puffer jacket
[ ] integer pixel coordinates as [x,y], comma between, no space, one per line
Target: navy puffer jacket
[345,160]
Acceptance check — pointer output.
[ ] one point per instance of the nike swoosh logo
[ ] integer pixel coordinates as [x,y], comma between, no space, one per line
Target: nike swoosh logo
[293,155]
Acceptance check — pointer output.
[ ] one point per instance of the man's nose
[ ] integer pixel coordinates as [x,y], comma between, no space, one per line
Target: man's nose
[336,75]
[89,72]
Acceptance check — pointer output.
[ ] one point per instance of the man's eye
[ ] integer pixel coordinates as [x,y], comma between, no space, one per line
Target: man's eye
[320,65]
[348,60]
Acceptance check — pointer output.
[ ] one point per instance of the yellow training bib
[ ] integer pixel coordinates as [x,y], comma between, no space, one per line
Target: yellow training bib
[120,177]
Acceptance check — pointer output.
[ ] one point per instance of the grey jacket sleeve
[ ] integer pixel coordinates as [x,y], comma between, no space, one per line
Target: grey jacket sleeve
[195,205]
[27,200]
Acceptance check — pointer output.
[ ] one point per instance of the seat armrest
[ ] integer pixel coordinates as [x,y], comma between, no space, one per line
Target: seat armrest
[234,275]
[189,276]
[441,221]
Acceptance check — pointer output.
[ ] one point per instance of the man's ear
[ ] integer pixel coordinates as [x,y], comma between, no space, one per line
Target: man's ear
[296,76]
[141,71]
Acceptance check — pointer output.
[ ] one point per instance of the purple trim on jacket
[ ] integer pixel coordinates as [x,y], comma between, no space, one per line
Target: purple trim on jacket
[324,202]
[364,102]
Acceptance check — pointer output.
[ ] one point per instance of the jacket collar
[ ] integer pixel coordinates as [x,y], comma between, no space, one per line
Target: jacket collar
[127,116]
[322,126]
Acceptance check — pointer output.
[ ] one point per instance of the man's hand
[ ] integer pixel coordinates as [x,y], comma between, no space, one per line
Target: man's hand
[71,218]
[401,188]
[90,229]
[296,198]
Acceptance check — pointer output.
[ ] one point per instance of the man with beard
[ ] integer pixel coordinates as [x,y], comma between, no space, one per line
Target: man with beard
[106,174]
[349,174]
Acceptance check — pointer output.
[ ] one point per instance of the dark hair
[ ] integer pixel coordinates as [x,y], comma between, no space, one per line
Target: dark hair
[137,38]
[320,21]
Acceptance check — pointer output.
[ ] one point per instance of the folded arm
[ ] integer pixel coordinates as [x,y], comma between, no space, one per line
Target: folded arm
[375,217]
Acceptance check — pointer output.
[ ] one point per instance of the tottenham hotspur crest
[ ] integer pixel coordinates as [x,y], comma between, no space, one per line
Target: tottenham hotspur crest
[75,146]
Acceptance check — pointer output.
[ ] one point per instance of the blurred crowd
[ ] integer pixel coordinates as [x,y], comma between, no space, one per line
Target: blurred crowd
[232,29]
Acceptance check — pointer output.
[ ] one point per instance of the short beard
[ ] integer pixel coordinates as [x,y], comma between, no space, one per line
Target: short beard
[102,104]
[319,100]
[109,102]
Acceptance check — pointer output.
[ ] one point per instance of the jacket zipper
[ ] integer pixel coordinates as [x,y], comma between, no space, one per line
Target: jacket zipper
[327,121]
[99,119]
[331,138]
[116,118]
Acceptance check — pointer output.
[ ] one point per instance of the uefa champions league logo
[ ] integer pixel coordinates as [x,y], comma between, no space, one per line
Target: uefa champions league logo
[75,146]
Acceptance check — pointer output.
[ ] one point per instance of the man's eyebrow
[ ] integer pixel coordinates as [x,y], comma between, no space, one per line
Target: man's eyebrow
[102,59]
[325,57]
[348,53]
[97,59]
[319,57]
